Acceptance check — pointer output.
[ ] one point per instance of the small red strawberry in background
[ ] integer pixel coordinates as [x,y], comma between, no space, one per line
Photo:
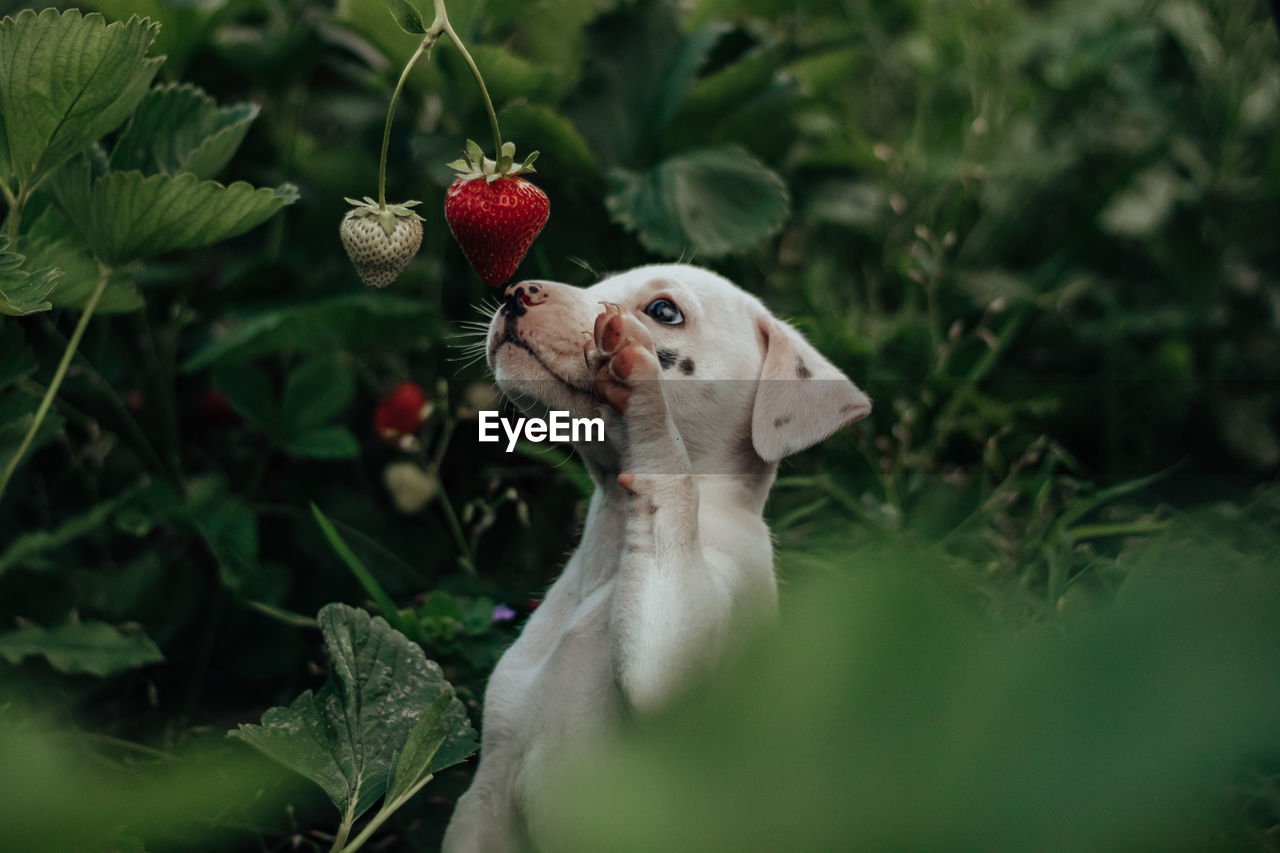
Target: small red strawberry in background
[381,240]
[494,214]
[401,413]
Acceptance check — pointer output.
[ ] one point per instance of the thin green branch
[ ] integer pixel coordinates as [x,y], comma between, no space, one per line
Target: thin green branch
[488,103]
[424,47]
[387,810]
[104,275]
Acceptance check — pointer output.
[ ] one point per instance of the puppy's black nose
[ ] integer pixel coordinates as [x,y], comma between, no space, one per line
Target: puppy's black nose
[523,294]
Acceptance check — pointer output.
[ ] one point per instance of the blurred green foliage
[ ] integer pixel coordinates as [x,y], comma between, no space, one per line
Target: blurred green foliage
[1041,235]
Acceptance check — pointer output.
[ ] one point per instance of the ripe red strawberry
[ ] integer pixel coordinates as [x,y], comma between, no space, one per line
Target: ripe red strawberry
[380,241]
[401,412]
[495,215]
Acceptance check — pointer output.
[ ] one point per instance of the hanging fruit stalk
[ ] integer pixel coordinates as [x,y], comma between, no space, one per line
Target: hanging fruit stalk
[494,214]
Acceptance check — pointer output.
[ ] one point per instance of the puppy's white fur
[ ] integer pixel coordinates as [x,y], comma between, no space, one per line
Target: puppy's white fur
[675,556]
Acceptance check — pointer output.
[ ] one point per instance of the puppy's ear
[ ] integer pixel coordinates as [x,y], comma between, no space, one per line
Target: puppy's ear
[802,398]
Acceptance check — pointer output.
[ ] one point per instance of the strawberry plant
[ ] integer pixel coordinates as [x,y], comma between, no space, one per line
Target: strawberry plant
[100,209]
[379,728]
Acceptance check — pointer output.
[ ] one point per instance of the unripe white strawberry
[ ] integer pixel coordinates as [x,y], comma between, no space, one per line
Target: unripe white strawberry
[380,241]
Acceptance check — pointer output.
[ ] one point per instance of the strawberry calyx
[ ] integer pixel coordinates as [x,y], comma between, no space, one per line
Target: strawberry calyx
[386,216]
[474,165]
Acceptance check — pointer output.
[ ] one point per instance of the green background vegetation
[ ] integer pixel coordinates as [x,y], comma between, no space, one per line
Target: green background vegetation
[1031,602]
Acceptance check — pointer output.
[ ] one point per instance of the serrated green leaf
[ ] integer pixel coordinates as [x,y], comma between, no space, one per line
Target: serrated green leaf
[81,648]
[22,291]
[79,278]
[249,392]
[179,128]
[346,736]
[129,216]
[331,442]
[316,392]
[710,201]
[31,550]
[16,358]
[66,79]
[406,17]
[340,323]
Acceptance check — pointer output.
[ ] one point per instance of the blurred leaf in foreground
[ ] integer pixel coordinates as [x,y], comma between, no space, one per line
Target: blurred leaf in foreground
[61,791]
[886,716]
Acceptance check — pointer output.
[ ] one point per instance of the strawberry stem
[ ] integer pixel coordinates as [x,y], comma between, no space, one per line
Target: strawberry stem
[440,26]
[484,92]
[424,47]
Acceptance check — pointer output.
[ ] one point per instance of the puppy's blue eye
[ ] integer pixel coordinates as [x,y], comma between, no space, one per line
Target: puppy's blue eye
[664,311]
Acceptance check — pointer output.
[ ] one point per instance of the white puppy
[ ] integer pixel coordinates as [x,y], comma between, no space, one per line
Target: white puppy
[706,391]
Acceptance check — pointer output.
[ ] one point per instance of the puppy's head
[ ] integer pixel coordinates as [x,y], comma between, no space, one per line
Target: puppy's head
[742,382]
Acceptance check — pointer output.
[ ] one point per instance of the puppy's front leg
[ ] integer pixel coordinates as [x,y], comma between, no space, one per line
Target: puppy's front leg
[670,611]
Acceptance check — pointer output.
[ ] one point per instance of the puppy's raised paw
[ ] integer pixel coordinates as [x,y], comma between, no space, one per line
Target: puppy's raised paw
[624,356]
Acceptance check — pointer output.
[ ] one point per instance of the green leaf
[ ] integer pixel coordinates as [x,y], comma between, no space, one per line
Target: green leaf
[644,68]
[406,17]
[229,528]
[316,392]
[340,547]
[563,148]
[249,392]
[47,244]
[710,201]
[126,216]
[23,292]
[81,648]
[66,80]
[424,741]
[331,442]
[179,128]
[346,736]
[184,27]
[323,326]
[31,550]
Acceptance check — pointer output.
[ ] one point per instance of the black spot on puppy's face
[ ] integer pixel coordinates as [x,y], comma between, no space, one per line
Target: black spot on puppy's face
[686,366]
[667,358]
[778,423]
[801,369]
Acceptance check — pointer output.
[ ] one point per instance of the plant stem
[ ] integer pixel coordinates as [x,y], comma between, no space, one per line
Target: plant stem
[16,204]
[104,275]
[488,104]
[424,47]
[441,25]
[340,840]
[383,813]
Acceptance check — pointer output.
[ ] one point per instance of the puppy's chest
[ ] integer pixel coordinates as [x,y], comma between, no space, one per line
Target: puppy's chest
[557,680]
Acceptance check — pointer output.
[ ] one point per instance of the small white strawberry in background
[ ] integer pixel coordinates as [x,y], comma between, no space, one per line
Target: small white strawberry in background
[380,241]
